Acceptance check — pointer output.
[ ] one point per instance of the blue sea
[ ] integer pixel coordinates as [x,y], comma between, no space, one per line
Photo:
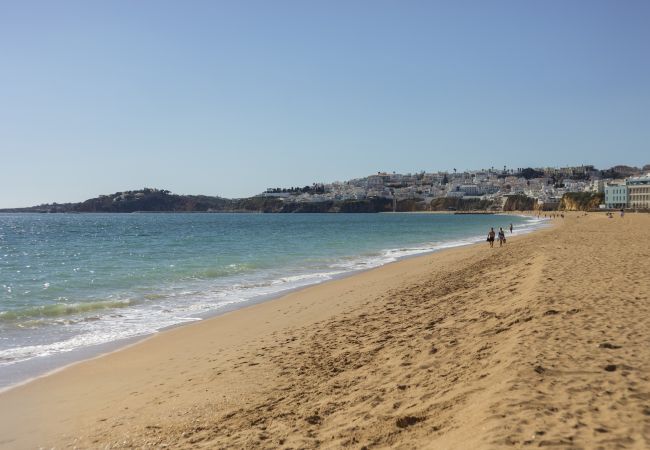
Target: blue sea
[71,284]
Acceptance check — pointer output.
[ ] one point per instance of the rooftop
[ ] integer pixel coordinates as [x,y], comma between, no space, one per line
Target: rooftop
[643,179]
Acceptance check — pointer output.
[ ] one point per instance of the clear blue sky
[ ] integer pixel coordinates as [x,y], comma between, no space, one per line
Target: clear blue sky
[230,97]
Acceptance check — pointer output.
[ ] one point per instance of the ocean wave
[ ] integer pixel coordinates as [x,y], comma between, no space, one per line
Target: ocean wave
[61,309]
[92,335]
[226,271]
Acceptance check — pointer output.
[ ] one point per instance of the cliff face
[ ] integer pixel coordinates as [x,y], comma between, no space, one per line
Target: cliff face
[272,205]
[460,204]
[519,203]
[581,201]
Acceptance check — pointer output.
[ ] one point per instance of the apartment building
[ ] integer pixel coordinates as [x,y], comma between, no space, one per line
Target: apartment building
[615,195]
[638,192]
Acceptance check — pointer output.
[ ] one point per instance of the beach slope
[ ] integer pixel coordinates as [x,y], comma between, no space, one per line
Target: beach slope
[543,342]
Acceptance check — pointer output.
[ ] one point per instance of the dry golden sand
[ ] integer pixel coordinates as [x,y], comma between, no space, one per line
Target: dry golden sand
[545,342]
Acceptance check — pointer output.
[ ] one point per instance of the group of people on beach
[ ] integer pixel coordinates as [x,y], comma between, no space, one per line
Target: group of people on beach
[611,214]
[502,236]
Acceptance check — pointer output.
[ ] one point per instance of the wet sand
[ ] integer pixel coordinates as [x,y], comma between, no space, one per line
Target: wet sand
[544,342]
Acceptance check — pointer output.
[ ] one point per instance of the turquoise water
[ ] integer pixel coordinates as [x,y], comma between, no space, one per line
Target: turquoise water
[73,281]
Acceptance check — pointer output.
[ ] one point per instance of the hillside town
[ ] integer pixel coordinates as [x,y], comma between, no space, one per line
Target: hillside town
[579,188]
[620,186]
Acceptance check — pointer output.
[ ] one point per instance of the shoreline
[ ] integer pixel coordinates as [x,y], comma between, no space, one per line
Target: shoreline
[37,368]
[123,344]
[248,308]
[467,348]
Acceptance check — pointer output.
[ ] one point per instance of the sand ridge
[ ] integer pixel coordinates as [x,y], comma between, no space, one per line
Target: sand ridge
[542,343]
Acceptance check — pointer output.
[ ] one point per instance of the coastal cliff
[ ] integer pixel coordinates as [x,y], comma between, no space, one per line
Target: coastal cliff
[160,200]
[461,204]
[519,203]
[581,201]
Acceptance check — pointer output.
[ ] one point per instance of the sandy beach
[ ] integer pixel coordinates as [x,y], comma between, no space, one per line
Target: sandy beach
[541,343]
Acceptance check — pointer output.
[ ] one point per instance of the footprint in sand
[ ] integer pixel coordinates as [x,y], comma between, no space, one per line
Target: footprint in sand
[609,346]
[407,421]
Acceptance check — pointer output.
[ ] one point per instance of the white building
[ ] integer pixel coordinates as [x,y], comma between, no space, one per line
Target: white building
[470,189]
[638,192]
[615,195]
[597,186]
[457,194]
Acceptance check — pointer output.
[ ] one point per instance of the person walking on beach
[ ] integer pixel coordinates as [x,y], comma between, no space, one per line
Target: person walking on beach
[510,228]
[490,237]
[502,237]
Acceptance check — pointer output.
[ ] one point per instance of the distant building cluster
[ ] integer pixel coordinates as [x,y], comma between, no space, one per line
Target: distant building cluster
[546,185]
[132,195]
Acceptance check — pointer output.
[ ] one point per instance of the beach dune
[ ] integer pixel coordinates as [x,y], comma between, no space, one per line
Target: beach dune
[544,342]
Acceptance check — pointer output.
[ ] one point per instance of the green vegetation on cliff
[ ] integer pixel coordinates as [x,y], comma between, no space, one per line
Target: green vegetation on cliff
[149,200]
[156,200]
